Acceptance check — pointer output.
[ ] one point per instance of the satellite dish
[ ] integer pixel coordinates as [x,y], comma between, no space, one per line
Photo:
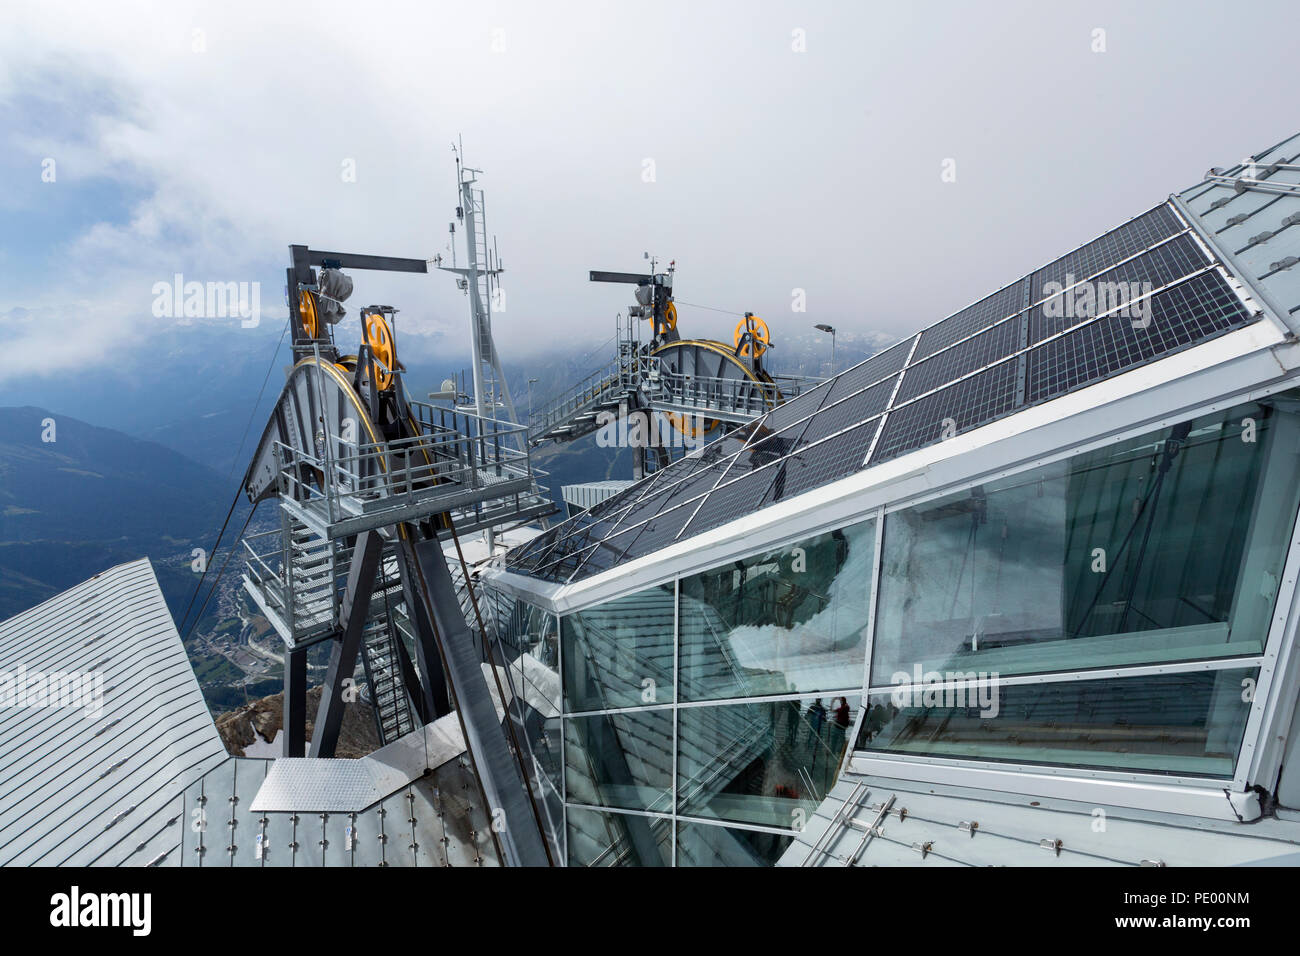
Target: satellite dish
[447,392]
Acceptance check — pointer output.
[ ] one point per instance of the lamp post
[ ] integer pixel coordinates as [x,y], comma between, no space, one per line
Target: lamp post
[530,400]
[831,329]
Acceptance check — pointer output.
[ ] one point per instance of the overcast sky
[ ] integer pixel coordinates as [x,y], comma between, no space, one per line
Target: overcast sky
[792,146]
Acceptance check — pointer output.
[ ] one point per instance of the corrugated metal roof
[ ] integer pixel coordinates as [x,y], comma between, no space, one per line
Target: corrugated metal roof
[129,733]
[591,493]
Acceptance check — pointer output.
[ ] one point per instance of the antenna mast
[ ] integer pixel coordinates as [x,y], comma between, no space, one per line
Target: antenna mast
[479,279]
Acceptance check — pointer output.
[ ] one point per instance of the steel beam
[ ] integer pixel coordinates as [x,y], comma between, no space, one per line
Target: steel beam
[411,681]
[433,684]
[352,260]
[355,608]
[632,278]
[294,732]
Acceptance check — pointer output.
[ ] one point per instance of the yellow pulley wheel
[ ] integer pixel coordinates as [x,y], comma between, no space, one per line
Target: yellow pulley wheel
[692,426]
[380,339]
[763,338]
[307,312]
[670,317]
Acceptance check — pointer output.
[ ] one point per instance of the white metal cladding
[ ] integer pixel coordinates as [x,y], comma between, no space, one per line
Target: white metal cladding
[960,828]
[591,493]
[77,789]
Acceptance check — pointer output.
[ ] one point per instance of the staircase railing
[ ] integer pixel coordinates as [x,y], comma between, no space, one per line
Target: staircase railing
[604,384]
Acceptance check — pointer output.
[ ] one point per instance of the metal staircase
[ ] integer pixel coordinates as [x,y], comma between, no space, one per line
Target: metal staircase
[579,410]
[380,658]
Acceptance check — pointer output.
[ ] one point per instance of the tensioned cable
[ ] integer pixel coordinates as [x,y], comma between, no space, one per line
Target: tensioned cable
[709,308]
[230,553]
[220,534]
[257,401]
[199,586]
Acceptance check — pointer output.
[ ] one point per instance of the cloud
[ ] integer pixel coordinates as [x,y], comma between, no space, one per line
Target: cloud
[207,138]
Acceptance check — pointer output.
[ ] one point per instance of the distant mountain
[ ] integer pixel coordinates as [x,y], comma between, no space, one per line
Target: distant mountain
[194,392]
[93,498]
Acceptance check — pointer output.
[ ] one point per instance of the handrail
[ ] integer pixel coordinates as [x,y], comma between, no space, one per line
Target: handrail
[585,393]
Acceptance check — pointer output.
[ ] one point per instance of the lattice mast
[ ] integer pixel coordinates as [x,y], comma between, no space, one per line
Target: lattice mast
[480,280]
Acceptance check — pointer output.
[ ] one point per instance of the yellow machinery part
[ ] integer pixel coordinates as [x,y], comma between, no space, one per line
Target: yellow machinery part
[670,317]
[683,423]
[380,339]
[761,334]
[307,312]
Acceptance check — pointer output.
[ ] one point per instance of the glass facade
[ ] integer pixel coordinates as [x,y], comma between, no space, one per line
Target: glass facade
[1183,724]
[703,845]
[597,838]
[620,654]
[622,759]
[1105,612]
[767,763]
[659,734]
[529,643]
[784,621]
[1161,549]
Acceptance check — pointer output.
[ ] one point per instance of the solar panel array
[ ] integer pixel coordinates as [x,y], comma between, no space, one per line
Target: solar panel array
[1132,296]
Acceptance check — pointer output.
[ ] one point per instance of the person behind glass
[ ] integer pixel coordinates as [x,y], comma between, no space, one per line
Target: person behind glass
[816,717]
[839,725]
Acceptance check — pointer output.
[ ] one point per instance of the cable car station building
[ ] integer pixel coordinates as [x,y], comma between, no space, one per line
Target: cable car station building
[1020,589]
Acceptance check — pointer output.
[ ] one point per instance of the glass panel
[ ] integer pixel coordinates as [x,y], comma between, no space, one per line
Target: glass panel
[1172,723]
[1164,548]
[623,759]
[618,839]
[540,733]
[780,622]
[767,763]
[700,844]
[530,643]
[620,654]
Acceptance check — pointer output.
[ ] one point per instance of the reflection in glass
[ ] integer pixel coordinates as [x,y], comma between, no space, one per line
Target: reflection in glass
[620,654]
[527,642]
[783,621]
[1163,548]
[701,844]
[1173,723]
[624,759]
[597,838]
[768,763]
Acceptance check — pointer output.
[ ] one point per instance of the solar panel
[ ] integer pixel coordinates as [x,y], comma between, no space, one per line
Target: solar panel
[1001,304]
[1118,244]
[853,410]
[972,368]
[697,484]
[987,348]
[880,366]
[1184,315]
[665,528]
[1165,264]
[607,553]
[733,500]
[823,463]
[797,408]
[962,406]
